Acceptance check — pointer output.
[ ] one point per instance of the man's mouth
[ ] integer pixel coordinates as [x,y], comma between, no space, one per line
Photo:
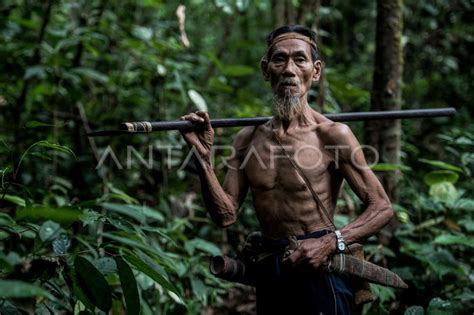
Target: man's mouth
[288,84]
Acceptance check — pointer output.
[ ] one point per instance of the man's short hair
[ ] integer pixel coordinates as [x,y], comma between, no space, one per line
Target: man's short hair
[294,29]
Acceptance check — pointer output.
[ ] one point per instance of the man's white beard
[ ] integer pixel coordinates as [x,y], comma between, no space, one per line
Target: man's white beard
[287,107]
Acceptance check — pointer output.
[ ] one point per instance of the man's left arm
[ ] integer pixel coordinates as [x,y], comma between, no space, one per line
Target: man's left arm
[378,210]
[362,180]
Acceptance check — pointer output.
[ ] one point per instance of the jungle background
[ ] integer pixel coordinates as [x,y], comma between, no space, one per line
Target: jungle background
[79,236]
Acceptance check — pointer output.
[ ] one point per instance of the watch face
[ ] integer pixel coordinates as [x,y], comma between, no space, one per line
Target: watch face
[341,246]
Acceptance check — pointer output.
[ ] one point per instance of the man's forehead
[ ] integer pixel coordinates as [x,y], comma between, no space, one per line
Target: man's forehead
[291,45]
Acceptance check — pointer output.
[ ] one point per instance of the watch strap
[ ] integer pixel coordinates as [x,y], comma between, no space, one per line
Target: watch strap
[340,243]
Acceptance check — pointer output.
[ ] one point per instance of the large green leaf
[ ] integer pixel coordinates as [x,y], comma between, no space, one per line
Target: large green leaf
[15,199]
[129,287]
[137,212]
[442,165]
[20,289]
[436,177]
[36,124]
[150,213]
[58,214]
[93,284]
[125,210]
[450,239]
[134,242]
[72,281]
[386,167]
[131,240]
[145,264]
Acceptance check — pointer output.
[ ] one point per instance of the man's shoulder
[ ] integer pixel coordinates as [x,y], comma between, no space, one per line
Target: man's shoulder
[244,136]
[330,130]
[245,133]
[335,133]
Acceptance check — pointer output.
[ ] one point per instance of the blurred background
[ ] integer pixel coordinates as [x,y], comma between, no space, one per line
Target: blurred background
[117,224]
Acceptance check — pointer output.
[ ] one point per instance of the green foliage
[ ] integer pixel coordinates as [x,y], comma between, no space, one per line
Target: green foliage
[79,237]
[20,289]
[129,287]
[93,284]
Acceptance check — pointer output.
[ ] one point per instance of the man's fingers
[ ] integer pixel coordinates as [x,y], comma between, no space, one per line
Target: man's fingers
[205,116]
[294,258]
[201,118]
[194,118]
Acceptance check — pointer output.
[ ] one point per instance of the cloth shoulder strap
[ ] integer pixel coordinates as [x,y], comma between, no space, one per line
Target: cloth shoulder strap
[318,201]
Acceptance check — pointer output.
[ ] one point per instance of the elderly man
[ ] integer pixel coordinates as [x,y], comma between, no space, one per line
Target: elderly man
[294,166]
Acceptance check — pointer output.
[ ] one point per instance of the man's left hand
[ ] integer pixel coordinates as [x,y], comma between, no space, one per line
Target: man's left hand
[313,252]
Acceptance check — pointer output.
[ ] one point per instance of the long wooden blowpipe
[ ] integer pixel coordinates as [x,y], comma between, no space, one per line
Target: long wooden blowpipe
[149,126]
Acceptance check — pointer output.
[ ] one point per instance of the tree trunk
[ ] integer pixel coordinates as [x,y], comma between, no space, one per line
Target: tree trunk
[308,8]
[283,13]
[35,60]
[384,136]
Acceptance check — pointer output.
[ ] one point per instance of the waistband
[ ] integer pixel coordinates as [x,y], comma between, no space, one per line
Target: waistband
[283,242]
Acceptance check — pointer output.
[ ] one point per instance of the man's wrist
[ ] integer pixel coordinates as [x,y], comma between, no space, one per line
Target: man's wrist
[204,162]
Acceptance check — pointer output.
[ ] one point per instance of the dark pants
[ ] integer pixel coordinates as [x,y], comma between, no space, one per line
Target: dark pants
[282,289]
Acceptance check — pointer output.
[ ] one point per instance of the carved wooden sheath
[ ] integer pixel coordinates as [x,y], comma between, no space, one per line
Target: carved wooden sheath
[351,265]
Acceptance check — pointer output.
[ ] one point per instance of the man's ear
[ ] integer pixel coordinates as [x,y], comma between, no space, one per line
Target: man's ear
[264,68]
[318,68]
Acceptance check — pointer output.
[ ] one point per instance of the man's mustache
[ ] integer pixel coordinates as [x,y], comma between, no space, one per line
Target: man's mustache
[288,81]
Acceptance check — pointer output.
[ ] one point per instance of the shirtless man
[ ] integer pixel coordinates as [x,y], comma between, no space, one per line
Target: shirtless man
[326,151]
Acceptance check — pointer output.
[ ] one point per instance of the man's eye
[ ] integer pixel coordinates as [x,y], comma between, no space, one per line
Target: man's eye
[300,59]
[278,59]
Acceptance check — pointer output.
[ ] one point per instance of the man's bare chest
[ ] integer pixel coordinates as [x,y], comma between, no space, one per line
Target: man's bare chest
[267,166]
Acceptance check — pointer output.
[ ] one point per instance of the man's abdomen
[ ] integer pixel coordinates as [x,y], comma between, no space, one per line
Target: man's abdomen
[281,213]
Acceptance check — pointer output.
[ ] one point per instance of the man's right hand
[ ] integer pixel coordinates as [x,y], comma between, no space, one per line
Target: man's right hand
[202,138]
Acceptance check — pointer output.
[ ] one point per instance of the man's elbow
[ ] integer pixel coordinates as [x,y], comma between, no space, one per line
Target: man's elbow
[226,224]
[387,214]
[224,221]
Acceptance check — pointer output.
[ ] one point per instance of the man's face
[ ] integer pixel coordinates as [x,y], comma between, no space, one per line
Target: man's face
[290,68]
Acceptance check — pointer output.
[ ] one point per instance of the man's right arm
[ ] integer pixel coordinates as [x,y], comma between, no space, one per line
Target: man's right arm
[222,202]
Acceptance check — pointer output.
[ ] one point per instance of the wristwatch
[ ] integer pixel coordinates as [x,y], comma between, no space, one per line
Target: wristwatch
[341,244]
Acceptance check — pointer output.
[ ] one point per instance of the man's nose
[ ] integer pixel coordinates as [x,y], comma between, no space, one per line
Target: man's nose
[290,68]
